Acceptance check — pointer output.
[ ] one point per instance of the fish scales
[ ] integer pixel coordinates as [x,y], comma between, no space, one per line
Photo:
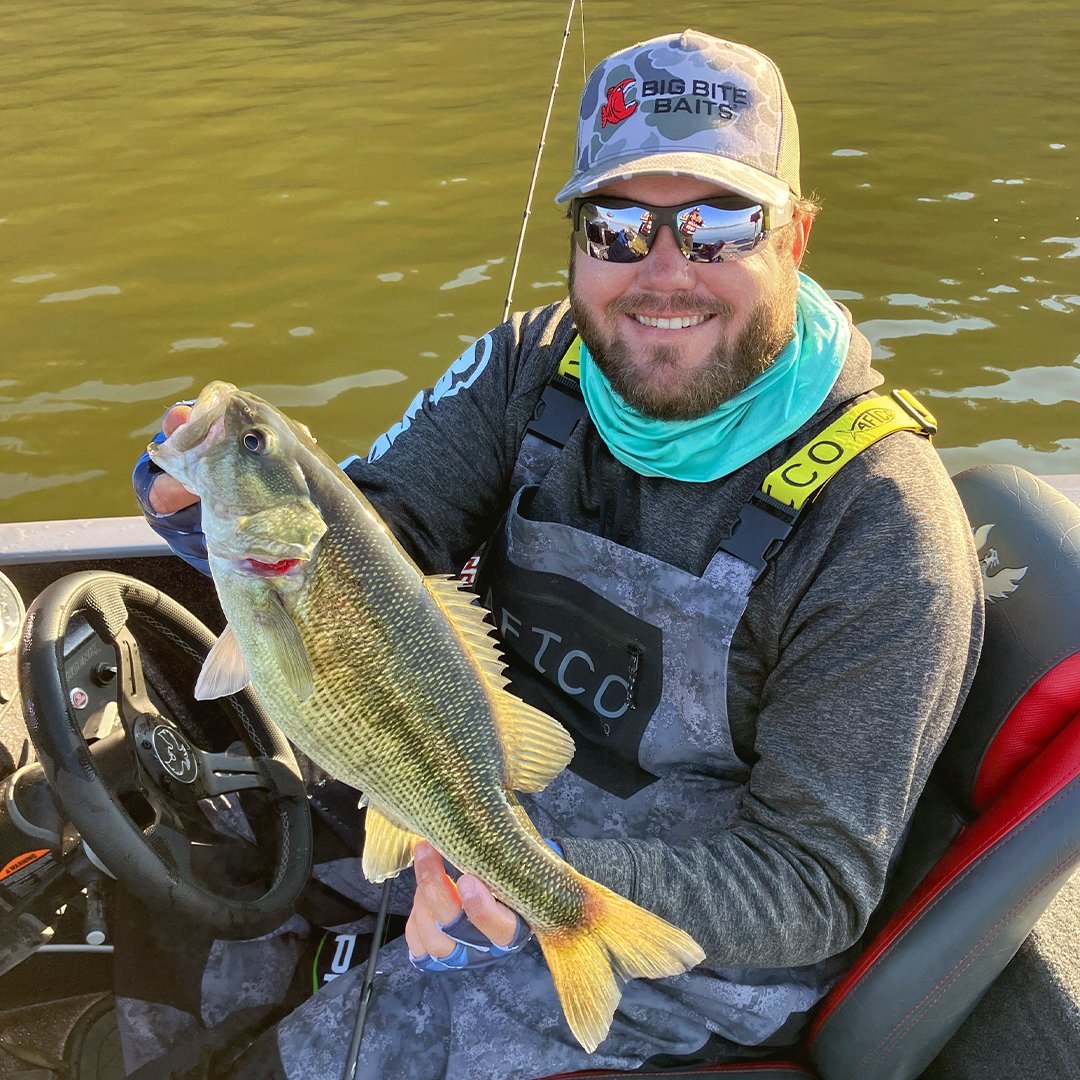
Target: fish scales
[390,682]
[386,668]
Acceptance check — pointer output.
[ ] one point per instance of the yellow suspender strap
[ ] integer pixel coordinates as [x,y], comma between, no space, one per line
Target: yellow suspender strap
[805,473]
[570,364]
[766,521]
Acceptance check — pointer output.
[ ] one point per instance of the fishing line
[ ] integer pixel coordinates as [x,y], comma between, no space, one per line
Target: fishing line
[536,166]
[584,71]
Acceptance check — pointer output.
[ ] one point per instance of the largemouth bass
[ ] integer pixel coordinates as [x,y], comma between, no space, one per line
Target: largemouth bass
[392,682]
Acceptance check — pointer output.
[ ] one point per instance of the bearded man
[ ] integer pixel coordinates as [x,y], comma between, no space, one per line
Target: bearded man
[758,667]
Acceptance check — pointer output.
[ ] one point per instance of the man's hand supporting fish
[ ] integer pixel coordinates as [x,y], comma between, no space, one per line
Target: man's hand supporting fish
[391,682]
[439,901]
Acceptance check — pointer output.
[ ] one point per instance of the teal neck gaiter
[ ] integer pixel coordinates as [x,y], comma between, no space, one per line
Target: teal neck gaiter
[775,405]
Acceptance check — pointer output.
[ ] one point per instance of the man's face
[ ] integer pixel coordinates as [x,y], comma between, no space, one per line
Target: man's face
[741,313]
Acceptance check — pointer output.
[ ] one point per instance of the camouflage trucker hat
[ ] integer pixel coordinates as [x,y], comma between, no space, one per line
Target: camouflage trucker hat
[688,105]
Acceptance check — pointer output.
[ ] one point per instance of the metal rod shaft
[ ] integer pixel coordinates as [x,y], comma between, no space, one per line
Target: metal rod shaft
[353,1058]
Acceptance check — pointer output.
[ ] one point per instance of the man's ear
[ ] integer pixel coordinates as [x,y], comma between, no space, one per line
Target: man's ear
[801,226]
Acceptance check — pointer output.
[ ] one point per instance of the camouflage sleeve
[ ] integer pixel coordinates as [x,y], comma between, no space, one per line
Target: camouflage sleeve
[439,477]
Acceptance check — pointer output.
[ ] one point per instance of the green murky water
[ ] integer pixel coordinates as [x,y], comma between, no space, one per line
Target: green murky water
[321,201]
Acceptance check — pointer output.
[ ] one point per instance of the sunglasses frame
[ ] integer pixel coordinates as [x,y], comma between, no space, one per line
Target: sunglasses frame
[773,217]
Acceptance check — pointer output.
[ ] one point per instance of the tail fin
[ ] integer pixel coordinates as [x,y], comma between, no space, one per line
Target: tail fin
[589,963]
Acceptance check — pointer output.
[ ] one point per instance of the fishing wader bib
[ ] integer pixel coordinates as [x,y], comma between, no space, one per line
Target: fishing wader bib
[631,654]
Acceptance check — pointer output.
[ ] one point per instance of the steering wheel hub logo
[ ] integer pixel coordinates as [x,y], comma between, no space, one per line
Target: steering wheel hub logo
[174,753]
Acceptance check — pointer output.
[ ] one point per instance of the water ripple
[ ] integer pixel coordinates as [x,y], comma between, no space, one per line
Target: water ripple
[1042,385]
[472,275]
[1064,458]
[880,330]
[81,294]
[286,395]
[86,395]
[1074,241]
[197,343]
[13,484]
[1061,302]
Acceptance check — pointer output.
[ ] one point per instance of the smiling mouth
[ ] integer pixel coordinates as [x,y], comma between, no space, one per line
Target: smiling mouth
[675,322]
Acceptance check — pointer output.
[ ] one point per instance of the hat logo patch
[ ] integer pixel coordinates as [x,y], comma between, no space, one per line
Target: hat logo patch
[615,110]
[699,98]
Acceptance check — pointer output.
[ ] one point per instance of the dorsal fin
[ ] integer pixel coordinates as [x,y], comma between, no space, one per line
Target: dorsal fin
[537,748]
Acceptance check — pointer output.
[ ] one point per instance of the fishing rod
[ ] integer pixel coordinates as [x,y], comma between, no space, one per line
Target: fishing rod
[539,154]
[352,1059]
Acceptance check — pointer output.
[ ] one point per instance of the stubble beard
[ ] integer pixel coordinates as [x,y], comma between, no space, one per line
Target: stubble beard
[658,386]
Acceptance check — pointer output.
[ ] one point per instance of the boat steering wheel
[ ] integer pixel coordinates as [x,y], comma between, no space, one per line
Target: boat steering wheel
[148,761]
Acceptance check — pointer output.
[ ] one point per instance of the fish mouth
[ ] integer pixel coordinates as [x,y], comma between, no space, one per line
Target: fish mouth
[191,440]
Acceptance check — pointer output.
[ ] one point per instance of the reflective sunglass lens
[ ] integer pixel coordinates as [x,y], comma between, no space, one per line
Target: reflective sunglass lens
[715,234]
[617,232]
[614,234]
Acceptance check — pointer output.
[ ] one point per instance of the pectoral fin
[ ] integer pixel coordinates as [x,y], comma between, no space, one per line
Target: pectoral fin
[388,848]
[224,671]
[287,647]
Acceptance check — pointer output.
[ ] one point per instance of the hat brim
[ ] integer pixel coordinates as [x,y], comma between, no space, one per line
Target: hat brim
[725,172]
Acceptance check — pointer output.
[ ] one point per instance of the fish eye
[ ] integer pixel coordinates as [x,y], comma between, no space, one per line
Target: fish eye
[257,440]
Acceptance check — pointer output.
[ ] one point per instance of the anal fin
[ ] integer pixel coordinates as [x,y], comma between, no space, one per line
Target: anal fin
[388,848]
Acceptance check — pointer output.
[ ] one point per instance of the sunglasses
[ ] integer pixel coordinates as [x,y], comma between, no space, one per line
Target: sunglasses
[708,231]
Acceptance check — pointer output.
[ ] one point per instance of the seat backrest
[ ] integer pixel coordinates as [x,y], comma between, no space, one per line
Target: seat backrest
[1027,687]
[997,832]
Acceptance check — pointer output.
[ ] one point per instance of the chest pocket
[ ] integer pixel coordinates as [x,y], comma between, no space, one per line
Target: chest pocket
[579,657]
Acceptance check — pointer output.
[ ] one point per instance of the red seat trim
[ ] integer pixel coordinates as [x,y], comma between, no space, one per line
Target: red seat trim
[737,1068]
[1049,704]
[1005,821]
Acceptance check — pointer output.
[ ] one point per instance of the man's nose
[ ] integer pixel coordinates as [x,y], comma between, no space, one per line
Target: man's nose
[666,267]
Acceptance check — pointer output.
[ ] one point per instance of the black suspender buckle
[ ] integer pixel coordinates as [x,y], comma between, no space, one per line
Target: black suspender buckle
[763,526]
[558,411]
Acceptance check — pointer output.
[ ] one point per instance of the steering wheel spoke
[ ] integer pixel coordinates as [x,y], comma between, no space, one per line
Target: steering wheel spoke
[116,763]
[131,696]
[222,774]
[172,844]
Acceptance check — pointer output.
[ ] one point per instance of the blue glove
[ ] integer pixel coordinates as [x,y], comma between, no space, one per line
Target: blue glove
[474,949]
[182,531]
